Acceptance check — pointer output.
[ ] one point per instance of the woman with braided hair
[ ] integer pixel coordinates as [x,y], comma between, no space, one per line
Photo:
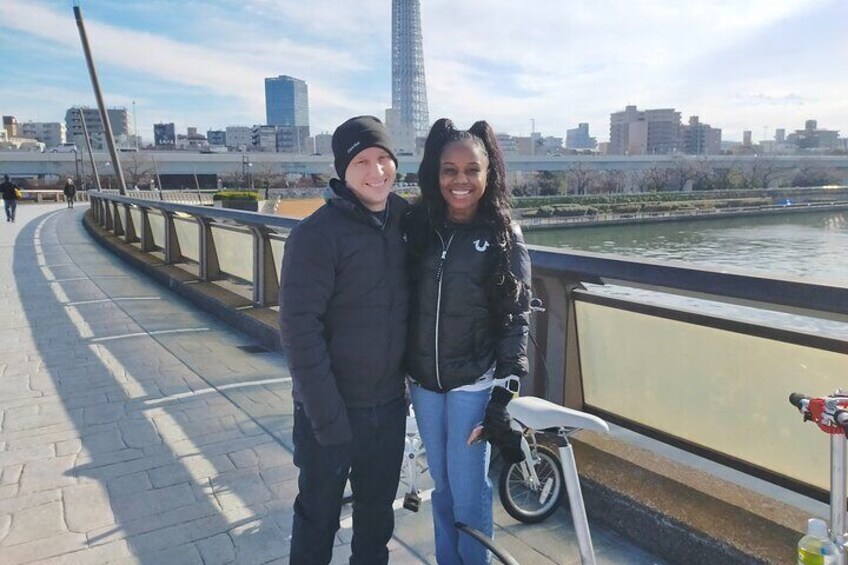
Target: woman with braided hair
[468,325]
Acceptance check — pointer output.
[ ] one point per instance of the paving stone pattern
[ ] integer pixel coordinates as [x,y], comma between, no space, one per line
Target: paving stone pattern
[134,430]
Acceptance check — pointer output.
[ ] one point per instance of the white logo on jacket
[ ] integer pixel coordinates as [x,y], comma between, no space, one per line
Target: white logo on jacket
[481,245]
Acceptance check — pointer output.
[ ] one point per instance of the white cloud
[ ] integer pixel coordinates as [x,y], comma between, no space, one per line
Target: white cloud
[736,65]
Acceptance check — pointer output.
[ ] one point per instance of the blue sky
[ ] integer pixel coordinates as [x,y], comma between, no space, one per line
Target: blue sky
[757,65]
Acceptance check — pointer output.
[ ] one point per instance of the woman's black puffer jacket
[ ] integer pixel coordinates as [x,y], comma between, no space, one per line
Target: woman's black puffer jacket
[455,335]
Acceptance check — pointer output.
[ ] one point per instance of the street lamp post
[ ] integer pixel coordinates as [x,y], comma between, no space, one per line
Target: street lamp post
[244,162]
[76,169]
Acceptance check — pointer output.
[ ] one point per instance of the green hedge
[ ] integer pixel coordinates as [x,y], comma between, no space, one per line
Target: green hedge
[572,210]
[235,195]
[642,197]
[567,211]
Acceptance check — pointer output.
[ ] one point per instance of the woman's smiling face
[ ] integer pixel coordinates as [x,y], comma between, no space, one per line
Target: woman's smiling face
[463,171]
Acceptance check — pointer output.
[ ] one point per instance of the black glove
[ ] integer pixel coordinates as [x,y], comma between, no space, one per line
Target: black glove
[510,447]
[496,418]
[496,427]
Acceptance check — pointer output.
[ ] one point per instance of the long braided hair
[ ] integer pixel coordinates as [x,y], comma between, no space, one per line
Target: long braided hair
[503,290]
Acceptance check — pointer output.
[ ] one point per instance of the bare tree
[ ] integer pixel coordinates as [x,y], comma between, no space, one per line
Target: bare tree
[265,177]
[611,182]
[811,174]
[550,182]
[233,180]
[138,168]
[701,175]
[761,174]
[685,171]
[655,179]
[580,179]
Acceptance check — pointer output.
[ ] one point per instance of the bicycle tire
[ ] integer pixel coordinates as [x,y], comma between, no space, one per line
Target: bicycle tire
[520,501]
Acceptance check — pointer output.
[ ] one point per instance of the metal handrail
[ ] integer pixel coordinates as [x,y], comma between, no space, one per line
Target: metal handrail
[263,228]
[560,278]
[222,214]
[819,296]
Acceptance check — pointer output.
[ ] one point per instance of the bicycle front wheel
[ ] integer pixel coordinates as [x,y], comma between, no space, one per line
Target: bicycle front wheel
[527,502]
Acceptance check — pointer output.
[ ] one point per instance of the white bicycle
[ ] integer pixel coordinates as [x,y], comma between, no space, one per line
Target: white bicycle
[533,489]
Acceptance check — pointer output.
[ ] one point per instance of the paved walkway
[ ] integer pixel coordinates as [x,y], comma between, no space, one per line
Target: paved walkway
[135,428]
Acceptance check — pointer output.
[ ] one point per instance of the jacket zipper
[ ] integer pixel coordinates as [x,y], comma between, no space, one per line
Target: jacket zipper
[439,273]
[384,232]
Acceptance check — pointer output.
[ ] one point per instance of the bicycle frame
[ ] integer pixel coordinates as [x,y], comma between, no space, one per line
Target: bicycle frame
[575,496]
[528,443]
[830,413]
[412,449]
[531,416]
[538,416]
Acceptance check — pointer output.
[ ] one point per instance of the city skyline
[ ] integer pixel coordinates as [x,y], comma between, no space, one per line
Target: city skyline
[758,66]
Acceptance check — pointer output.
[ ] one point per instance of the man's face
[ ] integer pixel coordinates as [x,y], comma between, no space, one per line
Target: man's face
[370,175]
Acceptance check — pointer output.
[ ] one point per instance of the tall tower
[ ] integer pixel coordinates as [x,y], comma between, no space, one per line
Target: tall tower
[409,89]
[286,101]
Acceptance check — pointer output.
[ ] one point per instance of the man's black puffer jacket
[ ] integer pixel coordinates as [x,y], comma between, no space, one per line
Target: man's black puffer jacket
[454,334]
[343,310]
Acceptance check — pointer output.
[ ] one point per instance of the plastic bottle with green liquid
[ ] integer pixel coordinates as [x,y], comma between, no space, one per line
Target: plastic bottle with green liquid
[816,548]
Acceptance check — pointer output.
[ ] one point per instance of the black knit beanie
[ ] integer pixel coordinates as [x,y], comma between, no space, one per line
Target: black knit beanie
[355,135]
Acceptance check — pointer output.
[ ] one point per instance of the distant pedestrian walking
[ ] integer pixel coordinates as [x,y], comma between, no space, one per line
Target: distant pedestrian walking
[70,192]
[11,194]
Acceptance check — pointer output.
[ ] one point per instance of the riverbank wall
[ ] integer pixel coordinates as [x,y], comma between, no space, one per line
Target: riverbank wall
[532,224]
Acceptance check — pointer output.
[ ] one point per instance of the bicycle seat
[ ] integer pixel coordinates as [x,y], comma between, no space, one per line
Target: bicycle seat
[540,414]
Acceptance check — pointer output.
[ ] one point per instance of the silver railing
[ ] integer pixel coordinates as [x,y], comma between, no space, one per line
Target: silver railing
[697,358]
[217,244]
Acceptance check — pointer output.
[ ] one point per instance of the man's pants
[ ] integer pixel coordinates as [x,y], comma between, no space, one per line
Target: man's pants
[372,461]
[11,206]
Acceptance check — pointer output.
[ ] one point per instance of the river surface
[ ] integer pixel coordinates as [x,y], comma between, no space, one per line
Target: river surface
[799,245]
[806,245]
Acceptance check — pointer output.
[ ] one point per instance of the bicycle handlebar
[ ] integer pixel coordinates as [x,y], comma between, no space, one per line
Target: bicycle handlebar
[796,399]
[830,413]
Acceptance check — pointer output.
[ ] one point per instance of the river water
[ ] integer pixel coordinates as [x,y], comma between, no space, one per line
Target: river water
[805,245]
[801,244]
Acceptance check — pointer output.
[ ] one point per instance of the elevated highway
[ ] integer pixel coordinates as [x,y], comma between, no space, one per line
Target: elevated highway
[222,164]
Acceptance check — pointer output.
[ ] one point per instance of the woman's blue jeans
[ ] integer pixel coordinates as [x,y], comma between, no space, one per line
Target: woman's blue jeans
[463,492]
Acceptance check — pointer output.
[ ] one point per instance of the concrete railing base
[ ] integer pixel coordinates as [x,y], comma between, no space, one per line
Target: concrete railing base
[682,513]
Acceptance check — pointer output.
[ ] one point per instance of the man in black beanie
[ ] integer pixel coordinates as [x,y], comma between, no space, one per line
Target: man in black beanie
[343,309]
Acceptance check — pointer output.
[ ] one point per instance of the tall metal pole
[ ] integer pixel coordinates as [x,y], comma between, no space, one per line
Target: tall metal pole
[88,147]
[197,184]
[838,493]
[135,128]
[82,172]
[76,170]
[158,179]
[104,116]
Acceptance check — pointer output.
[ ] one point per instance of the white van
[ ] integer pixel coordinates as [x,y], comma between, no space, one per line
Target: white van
[64,148]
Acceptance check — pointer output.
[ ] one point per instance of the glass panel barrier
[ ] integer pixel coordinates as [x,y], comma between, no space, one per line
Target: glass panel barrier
[277,245]
[189,236]
[135,212]
[716,388]
[157,228]
[235,251]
